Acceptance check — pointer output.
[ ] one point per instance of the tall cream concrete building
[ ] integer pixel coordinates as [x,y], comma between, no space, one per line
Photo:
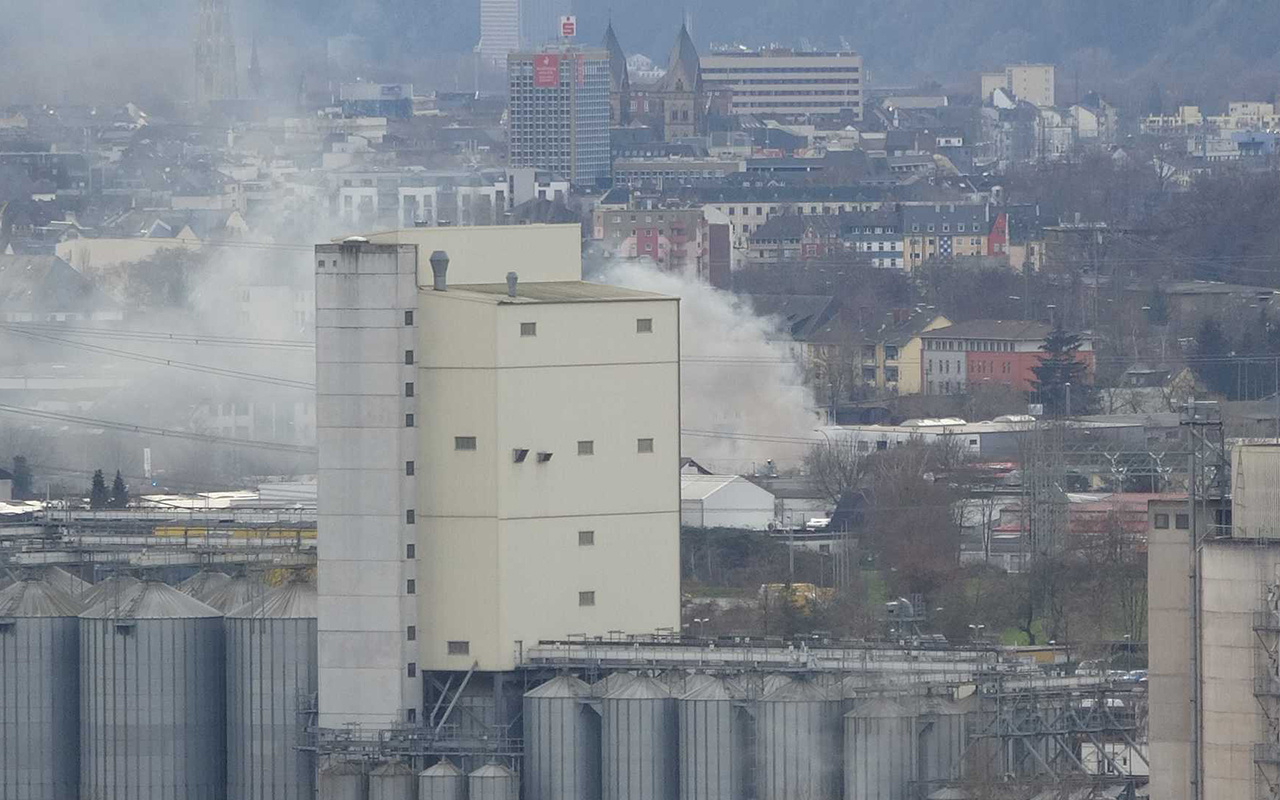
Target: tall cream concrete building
[499,459]
[788,82]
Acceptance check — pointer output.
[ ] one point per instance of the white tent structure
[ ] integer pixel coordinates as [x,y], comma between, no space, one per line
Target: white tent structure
[724,501]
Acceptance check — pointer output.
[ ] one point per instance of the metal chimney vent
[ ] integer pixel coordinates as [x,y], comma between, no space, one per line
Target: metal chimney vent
[439,266]
[512,278]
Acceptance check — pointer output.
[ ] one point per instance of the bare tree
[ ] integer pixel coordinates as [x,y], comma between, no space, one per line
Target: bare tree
[835,467]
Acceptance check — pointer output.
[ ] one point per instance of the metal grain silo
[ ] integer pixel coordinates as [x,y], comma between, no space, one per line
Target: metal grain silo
[271,671]
[640,756]
[235,593]
[561,742]
[152,698]
[493,782]
[67,582]
[611,683]
[799,728]
[714,735]
[203,584]
[39,693]
[879,751]
[343,780]
[393,780]
[942,739]
[117,589]
[444,781]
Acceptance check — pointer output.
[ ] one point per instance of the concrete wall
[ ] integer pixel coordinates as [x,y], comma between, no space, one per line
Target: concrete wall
[485,254]
[362,293]
[1169,673]
[1255,502]
[502,562]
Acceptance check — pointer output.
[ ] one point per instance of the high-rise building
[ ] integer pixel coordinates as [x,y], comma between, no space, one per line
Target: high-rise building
[1032,83]
[499,459]
[558,112]
[499,29]
[788,82]
[215,52]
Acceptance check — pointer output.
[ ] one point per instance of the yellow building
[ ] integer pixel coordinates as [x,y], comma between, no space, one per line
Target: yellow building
[947,230]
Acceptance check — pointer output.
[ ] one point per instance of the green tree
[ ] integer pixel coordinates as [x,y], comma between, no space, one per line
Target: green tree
[119,492]
[1059,366]
[22,489]
[98,492]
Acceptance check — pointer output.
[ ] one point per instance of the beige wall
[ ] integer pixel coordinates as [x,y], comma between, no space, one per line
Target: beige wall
[1169,659]
[87,255]
[499,540]
[536,252]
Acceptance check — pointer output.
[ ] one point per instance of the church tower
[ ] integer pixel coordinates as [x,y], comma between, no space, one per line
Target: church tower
[681,90]
[215,52]
[619,82]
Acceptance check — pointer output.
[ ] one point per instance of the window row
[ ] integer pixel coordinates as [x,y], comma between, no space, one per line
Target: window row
[643,325]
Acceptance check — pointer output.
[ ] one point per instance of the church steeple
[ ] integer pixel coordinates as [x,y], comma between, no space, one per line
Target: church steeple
[684,68]
[619,80]
[255,70]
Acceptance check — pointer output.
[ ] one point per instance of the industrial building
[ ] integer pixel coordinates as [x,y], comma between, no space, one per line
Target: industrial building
[788,82]
[725,501]
[491,445]
[1215,639]
[558,112]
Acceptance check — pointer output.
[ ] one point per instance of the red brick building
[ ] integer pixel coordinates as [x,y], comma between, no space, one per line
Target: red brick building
[986,350]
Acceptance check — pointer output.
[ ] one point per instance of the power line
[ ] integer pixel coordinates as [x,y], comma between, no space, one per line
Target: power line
[161,336]
[164,362]
[164,432]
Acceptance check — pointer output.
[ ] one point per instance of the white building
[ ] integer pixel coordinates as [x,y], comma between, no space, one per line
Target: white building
[787,82]
[724,501]
[494,469]
[499,29]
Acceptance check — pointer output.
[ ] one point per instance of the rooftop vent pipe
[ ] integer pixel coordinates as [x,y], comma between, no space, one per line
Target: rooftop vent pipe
[439,266]
[511,284]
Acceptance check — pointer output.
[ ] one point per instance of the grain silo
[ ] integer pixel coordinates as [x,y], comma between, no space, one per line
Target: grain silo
[203,584]
[799,729]
[493,782]
[562,742]
[39,692]
[941,740]
[67,582]
[715,751]
[879,751]
[640,742]
[271,672]
[343,780]
[235,593]
[117,589]
[152,697]
[393,780]
[442,781]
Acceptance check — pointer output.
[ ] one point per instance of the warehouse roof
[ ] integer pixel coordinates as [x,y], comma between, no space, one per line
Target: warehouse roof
[558,292]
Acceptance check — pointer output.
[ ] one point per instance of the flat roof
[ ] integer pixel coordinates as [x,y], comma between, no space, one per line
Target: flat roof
[556,292]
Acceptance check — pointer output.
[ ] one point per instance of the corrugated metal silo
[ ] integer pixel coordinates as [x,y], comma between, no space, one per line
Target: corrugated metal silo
[235,593]
[942,739]
[443,781]
[799,728]
[117,588]
[714,743]
[39,693]
[343,780]
[879,742]
[611,683]
[152,698]
[203,584]
[271,670]
[561,742]
[71,584]
[640,726]
[493,782]
[393,780]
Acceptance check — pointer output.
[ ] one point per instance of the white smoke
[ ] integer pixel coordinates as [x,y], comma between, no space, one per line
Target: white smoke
[744,400]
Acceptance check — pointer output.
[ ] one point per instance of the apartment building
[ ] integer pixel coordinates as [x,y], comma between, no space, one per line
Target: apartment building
[948,230]
[1031,83]
[499,459]
[999,352]
[779,82]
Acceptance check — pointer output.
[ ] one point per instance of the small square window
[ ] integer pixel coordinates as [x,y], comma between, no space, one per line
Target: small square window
[408,318]
[410,550]
[464,443]
[411,633]
[410,517]
[644,445]
[408,420]
[413,669]
[528,329]
[1162,521]
[586,447]
[408,468]
[1182,521]
[408,389]
[586,538]
[644,325]
[411,586]
[586,598]
[408,358]
[411,714]
[459,648]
